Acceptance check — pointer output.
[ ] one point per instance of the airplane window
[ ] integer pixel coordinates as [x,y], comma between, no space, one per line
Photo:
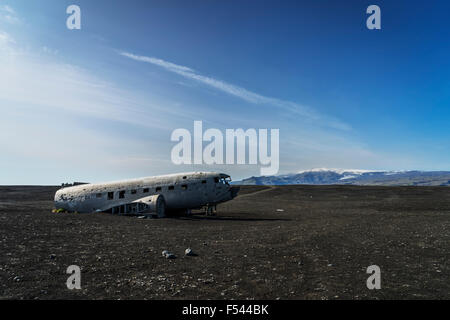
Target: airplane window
[110,195]
[171,187]
[133,191]
[184,187]
[146,190]
[184,177]
[225,181]
[158,189]
[98,195]
[216,180]
[203,181]
[121,194]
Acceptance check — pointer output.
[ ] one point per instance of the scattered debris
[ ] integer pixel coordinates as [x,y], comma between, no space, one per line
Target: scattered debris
[280,210]
[166,254]
[142,217]
[53,256]
[189,252]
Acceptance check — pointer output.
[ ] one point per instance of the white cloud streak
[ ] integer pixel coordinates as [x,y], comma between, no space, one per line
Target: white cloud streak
[34,80]
[239,92]
[7,9]
[5,39]
[9,15]
[65,120]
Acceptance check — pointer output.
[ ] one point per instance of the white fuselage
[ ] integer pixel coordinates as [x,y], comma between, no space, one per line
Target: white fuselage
[180,191]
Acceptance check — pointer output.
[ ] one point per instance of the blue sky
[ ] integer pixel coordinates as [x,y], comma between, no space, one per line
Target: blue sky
[100,103]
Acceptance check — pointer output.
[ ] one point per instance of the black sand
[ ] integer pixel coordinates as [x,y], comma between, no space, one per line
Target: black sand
[317,248]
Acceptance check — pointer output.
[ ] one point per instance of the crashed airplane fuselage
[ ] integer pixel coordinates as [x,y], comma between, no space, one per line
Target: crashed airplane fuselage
[153,195]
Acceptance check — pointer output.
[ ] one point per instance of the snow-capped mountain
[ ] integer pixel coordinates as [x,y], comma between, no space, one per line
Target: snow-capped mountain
[324,176]
[339,171]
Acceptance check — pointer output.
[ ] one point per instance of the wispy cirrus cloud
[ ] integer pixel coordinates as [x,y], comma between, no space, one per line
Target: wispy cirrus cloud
[57,113]
[5,39]
[242,93]
[8,14]
[7,9]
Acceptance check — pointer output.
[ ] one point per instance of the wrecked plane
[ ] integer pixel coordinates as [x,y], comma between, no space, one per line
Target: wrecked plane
[155,196]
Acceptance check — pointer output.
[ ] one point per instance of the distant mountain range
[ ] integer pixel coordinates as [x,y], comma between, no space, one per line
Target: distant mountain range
[324,176]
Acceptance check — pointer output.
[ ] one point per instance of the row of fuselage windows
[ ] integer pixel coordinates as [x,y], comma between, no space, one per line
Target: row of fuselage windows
[121,194]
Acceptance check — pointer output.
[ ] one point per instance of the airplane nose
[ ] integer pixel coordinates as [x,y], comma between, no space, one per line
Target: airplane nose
[234,191]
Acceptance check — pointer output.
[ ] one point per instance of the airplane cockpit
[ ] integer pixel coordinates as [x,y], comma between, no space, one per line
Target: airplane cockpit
[223,179]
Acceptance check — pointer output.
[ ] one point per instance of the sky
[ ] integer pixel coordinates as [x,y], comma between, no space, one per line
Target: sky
[100,103]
